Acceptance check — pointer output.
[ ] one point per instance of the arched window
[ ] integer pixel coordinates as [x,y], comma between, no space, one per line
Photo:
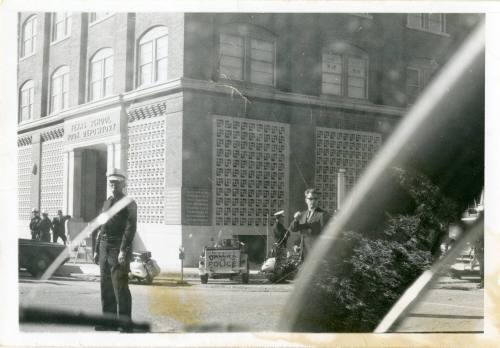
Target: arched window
[247,53]
[59,89]
[28,40]
[61,25]
[344,71]
[26,98]
[101,74]
[152,56]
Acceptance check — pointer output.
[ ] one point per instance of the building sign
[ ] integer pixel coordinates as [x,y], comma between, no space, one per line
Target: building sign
[92,127]
[196,207]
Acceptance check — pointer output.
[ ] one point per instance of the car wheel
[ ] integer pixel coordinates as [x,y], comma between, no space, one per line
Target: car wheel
[204,279]
[148,280]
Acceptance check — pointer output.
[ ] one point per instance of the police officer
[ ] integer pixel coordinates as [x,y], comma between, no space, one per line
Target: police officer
[44,227]
[58,228]
[113,253]
[35,220]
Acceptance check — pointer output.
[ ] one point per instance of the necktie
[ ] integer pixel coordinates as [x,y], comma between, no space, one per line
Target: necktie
[309,214]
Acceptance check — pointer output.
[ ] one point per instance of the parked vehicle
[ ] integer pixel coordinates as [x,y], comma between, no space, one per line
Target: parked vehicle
[143,268]
[466,265]
[36,256]
[226,259]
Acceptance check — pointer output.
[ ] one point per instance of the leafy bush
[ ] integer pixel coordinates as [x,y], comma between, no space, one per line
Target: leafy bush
[371,270]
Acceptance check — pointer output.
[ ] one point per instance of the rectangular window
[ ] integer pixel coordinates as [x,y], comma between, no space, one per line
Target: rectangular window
[97,16]
[433,22]
[414,20]
[146,59]
[413,83]
[332,73]
[231,57]
[356,77]
[108,76]
[27,98]
[161,58]
[262,62]
[436,23]
[61,25]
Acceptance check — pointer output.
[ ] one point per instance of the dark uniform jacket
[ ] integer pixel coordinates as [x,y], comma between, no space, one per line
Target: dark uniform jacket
[279,232]
[58,224]
[120,230]
[309,228]
[35,233]
[44,227]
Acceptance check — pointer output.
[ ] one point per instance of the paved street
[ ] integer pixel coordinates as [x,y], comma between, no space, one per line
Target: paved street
[167,305]
[452,306]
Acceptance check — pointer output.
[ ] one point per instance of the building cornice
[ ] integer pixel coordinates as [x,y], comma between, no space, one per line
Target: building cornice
[292,98]
[155,91]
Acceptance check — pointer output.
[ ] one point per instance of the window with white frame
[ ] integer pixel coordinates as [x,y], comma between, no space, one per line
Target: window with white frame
[101,74]
[61,25]
[433,22]
[26,98]
[153,56]
[28,37]
[247,54]
[59,89]
[344,71]
[97,16]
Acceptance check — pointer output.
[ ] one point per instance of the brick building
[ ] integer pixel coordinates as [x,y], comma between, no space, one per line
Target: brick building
[219,120]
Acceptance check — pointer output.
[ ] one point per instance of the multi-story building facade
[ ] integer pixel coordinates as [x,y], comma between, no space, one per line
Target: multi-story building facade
[219,120]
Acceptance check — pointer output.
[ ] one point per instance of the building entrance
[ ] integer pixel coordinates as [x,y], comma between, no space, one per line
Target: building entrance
[93,191]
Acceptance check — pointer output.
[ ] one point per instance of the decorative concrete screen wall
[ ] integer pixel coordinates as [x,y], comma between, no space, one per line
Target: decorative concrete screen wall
[341,149]
[250,170]
[146,167]
[51,172]
[24,175]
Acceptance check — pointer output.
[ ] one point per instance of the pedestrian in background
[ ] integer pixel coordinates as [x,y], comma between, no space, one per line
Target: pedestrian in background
[309,223]
[44,227]
[34,222]
[58,227]
[113,254]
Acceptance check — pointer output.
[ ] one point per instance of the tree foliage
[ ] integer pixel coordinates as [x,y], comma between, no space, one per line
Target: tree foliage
[368,274]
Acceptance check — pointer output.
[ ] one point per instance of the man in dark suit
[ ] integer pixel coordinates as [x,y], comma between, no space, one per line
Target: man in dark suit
[309,223]
[113,253]
[58,227]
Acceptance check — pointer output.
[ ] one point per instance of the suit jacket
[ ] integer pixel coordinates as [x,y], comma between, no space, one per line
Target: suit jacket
[309,229]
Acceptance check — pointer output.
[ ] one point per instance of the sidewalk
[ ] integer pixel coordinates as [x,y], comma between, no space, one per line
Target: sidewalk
[90,271]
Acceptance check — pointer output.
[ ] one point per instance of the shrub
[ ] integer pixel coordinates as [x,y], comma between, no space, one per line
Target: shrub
[371,270]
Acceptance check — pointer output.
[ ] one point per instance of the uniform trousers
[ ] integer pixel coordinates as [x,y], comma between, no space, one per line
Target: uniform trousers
[115,293]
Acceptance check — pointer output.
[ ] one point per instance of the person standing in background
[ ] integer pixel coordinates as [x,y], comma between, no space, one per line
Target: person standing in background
[309,223]
[58,228]
[35,220]
[44,227]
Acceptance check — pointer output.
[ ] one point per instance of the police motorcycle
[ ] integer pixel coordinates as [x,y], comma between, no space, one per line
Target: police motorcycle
[278,267]
[143,268]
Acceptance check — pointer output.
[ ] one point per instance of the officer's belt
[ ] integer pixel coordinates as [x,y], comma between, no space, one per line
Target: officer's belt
[111,239]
